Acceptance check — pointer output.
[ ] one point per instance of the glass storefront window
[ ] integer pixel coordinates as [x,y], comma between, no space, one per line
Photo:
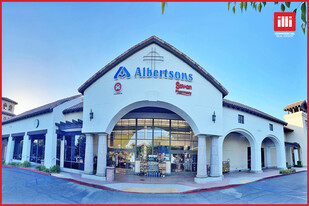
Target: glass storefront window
[37,149]
[18,148]
[74,154]
[144,148]
[58,150]
[123,160]
[171,140]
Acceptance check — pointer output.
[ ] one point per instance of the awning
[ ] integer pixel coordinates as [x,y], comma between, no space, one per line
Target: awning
[291,144]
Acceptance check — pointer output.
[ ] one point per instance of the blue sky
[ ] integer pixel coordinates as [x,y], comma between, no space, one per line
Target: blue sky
[50,49]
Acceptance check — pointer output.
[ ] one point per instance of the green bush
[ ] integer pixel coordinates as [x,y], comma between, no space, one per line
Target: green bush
[19,164]
[40,167]
[3,162]
[46,170]
[13,163]
[26,164]
[55,169]
[288,171]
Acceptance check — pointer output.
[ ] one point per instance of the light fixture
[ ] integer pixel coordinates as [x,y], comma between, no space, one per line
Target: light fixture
[91,114]
[214,117]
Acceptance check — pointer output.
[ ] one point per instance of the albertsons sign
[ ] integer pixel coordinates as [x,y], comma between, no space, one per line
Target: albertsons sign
[149,73]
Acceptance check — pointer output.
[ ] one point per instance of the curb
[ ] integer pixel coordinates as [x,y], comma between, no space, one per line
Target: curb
[236,185]
[27,168]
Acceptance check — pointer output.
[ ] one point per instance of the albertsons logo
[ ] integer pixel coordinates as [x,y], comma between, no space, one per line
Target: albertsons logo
[122,73]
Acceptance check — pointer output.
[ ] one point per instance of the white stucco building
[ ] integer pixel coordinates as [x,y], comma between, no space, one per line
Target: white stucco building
[152,100]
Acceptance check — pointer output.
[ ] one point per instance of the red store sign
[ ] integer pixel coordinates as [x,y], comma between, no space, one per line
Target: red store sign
[183,86]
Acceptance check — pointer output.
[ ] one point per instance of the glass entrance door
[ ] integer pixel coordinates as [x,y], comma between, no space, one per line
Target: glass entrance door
[135,139]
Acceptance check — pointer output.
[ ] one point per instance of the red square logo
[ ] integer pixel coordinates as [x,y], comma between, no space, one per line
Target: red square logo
[285,21]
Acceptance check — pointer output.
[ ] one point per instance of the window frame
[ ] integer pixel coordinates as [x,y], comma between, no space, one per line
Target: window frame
[241,119]
[271,127]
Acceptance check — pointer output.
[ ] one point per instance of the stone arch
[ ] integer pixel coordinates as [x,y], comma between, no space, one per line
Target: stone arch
[159,104]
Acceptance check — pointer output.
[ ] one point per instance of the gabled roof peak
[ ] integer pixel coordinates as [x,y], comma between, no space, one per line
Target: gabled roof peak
[164,45]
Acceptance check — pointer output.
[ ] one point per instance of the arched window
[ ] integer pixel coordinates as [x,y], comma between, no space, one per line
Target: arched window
[5,106]
[10,108]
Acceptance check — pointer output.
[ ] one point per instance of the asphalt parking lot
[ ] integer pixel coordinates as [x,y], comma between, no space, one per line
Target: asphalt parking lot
[22,186]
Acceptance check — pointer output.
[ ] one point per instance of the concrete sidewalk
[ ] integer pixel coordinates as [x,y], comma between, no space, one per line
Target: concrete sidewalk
[171,184]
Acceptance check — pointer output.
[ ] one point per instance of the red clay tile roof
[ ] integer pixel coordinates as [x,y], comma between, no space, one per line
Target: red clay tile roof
[76,108]
[250,110]
[39,110]
[8,113]
[9,100]
[301,104]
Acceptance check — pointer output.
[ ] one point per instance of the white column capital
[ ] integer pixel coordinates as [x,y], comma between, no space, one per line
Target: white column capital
[201,135]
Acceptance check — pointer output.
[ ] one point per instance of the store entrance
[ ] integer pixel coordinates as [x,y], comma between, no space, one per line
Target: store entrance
[122,160]
[136,144]
[184,162]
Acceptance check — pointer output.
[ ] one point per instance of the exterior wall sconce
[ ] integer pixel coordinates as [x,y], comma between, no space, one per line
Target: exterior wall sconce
[91,114]
[214,117]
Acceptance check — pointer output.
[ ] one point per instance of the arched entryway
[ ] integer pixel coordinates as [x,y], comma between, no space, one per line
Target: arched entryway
[239,151]
[152,132]
[271,152]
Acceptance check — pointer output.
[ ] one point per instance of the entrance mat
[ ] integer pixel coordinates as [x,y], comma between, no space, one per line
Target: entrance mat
[149,190]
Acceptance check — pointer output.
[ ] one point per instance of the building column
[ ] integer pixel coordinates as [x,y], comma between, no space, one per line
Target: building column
[214,157]
[281,157]
[26,148]
[256,162]
[268,157]
[296,157]
[10,150]
[201,157]
[62,152]
[89,155]
[102,151]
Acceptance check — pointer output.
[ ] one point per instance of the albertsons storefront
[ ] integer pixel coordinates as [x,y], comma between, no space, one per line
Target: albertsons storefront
[152,110]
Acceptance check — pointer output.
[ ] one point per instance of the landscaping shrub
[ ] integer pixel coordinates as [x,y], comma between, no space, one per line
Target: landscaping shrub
[46,170]
[19,164]
[288,171]
[3,162]
[40,167]
[13,163]
[26,164]
[55,169]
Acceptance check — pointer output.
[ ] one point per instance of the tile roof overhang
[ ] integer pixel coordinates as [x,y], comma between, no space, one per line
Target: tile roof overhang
[8,114]
[76,108]
[287,129]
[39,110]
[166,46]
[301,104]
[250,110]
[9,100]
